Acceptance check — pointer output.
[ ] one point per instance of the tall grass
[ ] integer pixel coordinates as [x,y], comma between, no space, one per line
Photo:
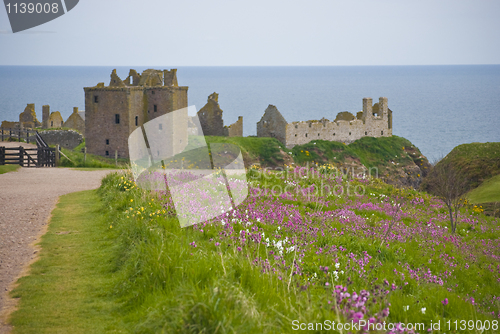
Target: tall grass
[224,276]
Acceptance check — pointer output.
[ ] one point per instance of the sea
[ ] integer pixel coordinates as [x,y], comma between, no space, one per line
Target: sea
[435,107]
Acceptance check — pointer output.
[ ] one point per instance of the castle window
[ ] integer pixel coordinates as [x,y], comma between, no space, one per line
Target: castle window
[382,133]
[366,133]
[306,134]
[51,123]
[62,123]
[296,126]
[107,141]
[107,153]
[96,99]
[295,135]
[117,118]
[310,124]
[136,120]
[349,133]
[160,126]
[155,108]
[153,92]
[334,133]
[318,134]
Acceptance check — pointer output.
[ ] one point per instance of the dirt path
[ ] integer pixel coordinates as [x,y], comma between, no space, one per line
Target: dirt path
[26,199]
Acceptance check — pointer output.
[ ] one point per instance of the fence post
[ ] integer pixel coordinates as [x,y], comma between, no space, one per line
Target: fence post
[57,155]
[116,158]
[2,155]
[21,156]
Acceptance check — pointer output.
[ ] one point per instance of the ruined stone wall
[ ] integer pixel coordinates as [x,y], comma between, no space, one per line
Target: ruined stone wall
[65,138]
[272,124]
[138,109]
[55,120]
[210,117]
[27,118]
[103,135]
[235,129]
[180,130]
[137,100]
[179,97]
[45,116]
[346,128]
[10,125]
[75,121]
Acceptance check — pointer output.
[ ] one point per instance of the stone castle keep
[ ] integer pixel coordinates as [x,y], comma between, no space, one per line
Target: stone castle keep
[374,121]
[113,112]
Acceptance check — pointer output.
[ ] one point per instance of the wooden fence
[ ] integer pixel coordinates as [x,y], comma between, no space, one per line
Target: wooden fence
[18,134]
[28,157]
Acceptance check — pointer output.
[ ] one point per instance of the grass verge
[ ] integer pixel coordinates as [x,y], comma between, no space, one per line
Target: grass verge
[68,288]
[8,168]
[488,191]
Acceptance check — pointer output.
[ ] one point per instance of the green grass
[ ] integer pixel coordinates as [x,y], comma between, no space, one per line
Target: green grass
[171,286]
[265,151]
[370,151]
[69,288]
[488,191]
[8,168]
[76,157]
[479,161]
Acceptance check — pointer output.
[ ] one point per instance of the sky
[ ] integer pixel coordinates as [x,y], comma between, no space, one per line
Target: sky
[260,33]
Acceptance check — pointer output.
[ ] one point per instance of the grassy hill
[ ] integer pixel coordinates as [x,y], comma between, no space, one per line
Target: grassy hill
[479,161]
[480,165]
[488,191]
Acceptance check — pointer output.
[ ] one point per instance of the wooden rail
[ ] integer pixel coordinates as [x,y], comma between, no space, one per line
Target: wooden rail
[19,134]
[28,157]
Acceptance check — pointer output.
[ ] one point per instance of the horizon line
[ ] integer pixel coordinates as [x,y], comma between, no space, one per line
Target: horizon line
[174,66]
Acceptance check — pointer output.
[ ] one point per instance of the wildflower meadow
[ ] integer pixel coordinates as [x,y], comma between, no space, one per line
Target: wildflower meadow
[308,250]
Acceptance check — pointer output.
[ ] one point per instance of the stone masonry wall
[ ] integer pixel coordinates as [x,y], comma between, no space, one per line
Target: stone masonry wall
[65,138]
[133,102]
[210,117]
[28,118]
[299,133]
[272,124]
[235,129]
[75,121]
[103,135]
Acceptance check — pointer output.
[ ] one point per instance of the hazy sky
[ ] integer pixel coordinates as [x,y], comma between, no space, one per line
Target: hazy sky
[260,32]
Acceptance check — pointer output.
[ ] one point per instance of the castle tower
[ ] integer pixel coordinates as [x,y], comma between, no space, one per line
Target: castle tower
[367,108]
[382,102]
[113,112]
[45,116]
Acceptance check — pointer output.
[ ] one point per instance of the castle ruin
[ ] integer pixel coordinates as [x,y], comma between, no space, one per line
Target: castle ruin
[113,112]
[211,121]
[28,119]
[373,121]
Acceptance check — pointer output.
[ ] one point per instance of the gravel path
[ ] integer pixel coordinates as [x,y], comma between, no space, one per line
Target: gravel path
[27,198]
